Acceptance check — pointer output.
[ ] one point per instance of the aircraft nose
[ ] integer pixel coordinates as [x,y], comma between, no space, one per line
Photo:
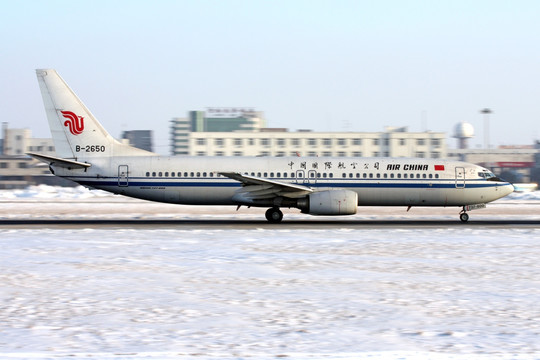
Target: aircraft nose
[508,188]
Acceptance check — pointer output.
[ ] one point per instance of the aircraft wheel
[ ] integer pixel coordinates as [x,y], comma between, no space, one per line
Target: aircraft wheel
[274,215]
[464,217]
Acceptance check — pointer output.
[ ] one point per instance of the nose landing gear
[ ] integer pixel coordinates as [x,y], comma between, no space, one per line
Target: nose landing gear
[463,216]
[274,215]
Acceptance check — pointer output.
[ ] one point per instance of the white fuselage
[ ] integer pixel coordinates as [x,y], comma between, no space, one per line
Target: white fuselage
[377,181]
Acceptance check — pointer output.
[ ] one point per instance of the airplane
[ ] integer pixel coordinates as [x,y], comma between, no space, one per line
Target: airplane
[89,155]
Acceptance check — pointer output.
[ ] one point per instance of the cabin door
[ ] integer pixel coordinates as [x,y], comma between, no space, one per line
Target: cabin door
[123,178]
[460,177]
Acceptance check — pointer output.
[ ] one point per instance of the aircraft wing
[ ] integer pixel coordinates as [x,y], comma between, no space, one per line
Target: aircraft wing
[66,163]
[256,188]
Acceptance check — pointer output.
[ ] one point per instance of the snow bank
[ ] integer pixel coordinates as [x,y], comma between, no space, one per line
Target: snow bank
[52,192]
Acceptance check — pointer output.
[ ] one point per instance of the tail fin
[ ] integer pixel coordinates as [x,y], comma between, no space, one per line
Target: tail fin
[76,132]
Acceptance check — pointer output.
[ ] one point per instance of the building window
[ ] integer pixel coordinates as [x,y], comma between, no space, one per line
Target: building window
[420,154]
[312,142]
[327,142]
[265,142]
[357,154]
[201,153]
[237,153]
[238,142]
[201,141]
[420,142]
[281,142]
[342,142]
[295,142]
[3,165]
[22,165]
[218,142]
[357,142]
[376,142]
[402,142]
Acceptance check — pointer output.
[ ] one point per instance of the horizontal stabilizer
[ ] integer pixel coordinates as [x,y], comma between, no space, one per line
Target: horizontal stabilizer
[65,163]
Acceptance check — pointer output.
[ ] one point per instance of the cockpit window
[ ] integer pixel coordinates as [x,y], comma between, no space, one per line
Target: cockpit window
[489,176]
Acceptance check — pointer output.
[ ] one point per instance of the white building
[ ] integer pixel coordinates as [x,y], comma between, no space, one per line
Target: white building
[394,142]
[20,141]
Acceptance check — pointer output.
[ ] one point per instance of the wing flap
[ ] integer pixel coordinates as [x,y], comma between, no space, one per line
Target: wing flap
[256,188]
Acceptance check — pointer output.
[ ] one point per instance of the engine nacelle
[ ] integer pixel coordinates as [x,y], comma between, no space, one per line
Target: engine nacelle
[331,202]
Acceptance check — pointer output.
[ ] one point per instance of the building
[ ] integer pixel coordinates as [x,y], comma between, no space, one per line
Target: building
[223,119]
[20,141]
[141,139]
[393,142]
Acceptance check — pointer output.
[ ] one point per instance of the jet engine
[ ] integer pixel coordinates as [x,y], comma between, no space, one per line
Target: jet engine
[330,202]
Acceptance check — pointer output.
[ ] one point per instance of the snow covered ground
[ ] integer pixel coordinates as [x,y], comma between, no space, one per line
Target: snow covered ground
[310,293]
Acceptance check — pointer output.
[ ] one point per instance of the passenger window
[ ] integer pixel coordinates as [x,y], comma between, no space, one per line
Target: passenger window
[424,176]
[160,174]
[147,174]
[436,176]
[154,174]
[204,174]
[399,176]
[271,174]
[166,174]
[172,174]
[265,174]
[198,174]
[344,175]
[431,176]
[404,176]
[385,176]
[370,175]
[391,176]
[331,175]
[191,174]
[324,175]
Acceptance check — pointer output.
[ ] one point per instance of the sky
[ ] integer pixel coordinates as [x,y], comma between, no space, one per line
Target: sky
[336,65]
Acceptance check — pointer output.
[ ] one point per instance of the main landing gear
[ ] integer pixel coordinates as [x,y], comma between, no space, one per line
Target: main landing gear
[274,215]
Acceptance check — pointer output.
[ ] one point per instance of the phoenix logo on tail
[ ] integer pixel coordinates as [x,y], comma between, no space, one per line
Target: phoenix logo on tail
[74,123]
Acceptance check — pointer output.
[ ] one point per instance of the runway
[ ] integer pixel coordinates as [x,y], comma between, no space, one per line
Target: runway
[263,224]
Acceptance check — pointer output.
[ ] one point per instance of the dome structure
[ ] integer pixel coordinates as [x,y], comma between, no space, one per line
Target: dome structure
[463,131]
